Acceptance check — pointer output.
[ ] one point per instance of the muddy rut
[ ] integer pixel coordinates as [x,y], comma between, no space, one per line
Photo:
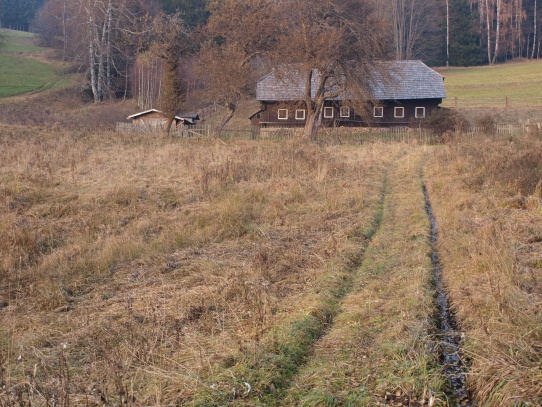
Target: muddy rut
[448,330]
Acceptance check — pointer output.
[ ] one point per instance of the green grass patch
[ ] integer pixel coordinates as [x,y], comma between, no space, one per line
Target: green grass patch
[515,79]
[22,72]
[20,75]
[19,42]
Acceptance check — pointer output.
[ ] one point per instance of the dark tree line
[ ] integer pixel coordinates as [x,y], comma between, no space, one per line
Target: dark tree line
[18,14]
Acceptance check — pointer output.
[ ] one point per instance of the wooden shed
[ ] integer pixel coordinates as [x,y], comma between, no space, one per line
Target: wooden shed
[156,119]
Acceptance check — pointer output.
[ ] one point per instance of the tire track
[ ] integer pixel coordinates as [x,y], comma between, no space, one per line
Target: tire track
[263,382]
[448,329]
[378,351]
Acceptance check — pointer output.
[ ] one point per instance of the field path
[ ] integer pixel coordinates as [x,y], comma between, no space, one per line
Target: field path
[368,340]
[378,351]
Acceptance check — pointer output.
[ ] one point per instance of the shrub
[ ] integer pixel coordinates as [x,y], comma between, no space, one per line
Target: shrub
[487,124]
[444,121]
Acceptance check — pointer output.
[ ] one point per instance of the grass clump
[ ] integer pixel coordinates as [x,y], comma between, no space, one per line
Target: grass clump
[487,204]
[134,270]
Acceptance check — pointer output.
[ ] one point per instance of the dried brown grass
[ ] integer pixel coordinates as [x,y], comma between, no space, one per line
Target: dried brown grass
[133,267]
[486,196]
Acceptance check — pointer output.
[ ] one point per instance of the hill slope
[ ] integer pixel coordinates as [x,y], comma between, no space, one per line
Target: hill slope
[24,67]
[522,79]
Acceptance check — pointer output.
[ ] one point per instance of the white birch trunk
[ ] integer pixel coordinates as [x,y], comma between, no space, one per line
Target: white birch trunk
[447,32]
[535,20]
[92,56]
[497,32]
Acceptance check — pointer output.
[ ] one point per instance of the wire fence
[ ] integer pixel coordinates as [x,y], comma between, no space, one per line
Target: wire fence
[495,102]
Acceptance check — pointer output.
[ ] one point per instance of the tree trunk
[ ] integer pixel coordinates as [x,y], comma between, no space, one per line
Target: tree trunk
[169,123]
[92,54]
[310,131]
[231,111]
[447,32]
[488,27]
[535,29]
[497,32]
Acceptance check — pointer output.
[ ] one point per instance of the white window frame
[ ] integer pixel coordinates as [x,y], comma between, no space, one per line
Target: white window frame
[300,114]
[419,116]
[282,117]
[399,109]
[327,109]
[379,109]
[344,109]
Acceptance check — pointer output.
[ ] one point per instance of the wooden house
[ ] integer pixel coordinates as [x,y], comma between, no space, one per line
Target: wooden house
[402,94]
[156,119]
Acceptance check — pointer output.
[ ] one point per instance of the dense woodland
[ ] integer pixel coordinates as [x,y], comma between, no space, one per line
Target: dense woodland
[127,47]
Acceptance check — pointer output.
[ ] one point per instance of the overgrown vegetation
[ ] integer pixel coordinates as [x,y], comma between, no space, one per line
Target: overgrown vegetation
[486,195]
[162,263]
[153,271]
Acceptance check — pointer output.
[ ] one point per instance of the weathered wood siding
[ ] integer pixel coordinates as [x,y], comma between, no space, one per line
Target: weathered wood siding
[268,116]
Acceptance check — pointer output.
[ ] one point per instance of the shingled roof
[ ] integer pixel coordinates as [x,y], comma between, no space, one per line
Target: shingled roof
[391,80]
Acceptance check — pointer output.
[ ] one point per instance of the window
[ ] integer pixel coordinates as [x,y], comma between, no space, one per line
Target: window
[300,114]
[378,112]
[345,111]
[283,114]
[399,112]
[328,112]
[420,112]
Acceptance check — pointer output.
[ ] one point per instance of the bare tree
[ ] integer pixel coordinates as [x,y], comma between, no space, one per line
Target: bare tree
[170,42]
[330,42]
[335,45]
[240,34]
[411,22]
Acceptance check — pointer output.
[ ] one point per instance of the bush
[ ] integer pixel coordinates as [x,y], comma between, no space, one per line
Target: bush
[443,122]
[487,124]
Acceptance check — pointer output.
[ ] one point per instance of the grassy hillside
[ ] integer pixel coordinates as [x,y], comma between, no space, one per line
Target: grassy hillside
[24,68]
[515,79]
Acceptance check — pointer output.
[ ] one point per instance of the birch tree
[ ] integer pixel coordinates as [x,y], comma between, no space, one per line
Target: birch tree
[411,24]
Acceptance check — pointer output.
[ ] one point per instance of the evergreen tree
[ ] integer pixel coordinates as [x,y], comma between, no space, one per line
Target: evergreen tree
[465,42]
[17,14]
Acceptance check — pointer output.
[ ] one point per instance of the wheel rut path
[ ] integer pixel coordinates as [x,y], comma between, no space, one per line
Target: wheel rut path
[369,340]
[381,348]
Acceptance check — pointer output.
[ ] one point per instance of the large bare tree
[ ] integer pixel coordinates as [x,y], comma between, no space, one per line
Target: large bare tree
[240,35]
[335,45]
[331,42]
[171,42]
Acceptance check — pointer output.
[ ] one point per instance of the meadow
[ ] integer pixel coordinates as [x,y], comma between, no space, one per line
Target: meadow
[157,271]
[24,69]
[519,79]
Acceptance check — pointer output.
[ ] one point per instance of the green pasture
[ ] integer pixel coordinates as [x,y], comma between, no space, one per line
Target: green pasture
[514,80]
[21,69]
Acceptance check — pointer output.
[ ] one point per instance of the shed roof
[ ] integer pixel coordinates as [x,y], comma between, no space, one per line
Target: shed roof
[189,117]
[391,80]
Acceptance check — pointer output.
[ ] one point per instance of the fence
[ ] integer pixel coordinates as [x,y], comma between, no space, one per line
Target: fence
[497,102]
[348,135]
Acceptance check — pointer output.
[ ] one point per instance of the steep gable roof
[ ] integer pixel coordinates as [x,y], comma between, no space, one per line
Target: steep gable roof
[391,80]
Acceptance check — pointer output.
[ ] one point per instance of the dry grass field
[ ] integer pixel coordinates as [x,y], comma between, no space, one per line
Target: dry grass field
[487,195]
[154,272]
